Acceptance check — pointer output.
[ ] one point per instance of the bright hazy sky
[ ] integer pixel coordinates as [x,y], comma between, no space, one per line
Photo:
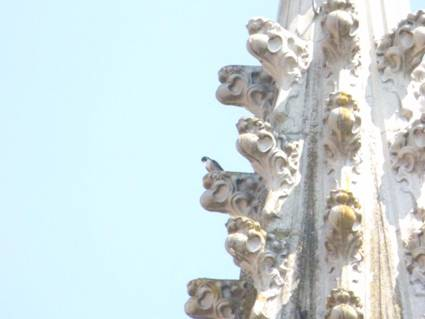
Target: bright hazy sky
[106,108]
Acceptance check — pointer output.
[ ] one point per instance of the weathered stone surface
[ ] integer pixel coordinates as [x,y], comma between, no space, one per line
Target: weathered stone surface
[274,159]
[416,260]
[283,54]
[249,87]
[331,223]
[238,194]
[343,304]
[400,62]
[402,50]
[408,149]
[344,218]
[263,262]
[341,46]
[219,299]
[342,136]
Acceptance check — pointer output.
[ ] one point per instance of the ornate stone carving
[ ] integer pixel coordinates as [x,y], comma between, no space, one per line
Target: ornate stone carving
[402,50]
[343,304]
[415,246]
[342,120]
[415,102]
[344,239]
[248,244]
[238,194]
[399,58]
[408,160]
[411,93]
[274,159]
[283,55]
[341,45]
[416,267]
[408,149]
[219,299]
[247,86]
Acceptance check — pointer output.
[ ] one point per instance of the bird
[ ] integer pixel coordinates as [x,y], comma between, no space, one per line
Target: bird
[211,165]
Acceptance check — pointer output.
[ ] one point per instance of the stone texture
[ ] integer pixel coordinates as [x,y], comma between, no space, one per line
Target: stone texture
[331,222]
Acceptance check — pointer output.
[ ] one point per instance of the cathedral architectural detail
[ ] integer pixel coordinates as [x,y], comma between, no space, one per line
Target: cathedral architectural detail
[330,221]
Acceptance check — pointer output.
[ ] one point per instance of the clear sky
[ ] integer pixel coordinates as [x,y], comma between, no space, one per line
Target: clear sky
[106,108]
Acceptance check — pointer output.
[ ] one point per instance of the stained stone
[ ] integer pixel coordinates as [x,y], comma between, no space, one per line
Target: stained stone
[330,223]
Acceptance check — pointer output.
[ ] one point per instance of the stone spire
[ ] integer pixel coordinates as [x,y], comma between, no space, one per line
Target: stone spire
[331,222]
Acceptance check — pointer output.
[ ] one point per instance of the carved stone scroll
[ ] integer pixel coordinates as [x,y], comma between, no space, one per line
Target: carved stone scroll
[344,239]
[408,160]
[342,134]
[408,149]
[219,299]
[247,244]
[402,50]
[341,46]
[238,194]
[247,86]
[400,61]
[283,55]
[343,304]
[274,159]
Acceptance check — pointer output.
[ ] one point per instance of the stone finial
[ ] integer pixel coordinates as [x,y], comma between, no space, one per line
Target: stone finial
[238,194]
[283,55]
[341,45]
[275,160]
[342,120]
[219,299]
[345,236]
[343,304]
[247,86]
[402,50]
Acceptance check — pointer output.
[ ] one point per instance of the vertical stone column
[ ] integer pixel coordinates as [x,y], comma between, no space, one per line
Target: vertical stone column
[330,222]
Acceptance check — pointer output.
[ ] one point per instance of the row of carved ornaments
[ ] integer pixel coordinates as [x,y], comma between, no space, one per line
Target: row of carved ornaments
[254,201]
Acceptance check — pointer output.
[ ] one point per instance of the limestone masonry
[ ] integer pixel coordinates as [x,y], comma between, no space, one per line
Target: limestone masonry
[330,224]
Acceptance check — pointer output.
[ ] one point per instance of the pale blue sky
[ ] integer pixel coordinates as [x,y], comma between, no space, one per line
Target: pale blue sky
[106,108]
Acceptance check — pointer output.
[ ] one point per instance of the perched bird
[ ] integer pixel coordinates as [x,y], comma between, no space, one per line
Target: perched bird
[211,165]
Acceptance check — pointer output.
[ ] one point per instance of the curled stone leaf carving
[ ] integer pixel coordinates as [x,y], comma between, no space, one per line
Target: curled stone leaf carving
[402,50]
[408,150]
[283,55]
[408,160]
[344,239]
[245,242]
[247,86]
[342,304]
[341,45]
[248,244]
[219,299]
[274,159]
[238,194]
[342,133]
